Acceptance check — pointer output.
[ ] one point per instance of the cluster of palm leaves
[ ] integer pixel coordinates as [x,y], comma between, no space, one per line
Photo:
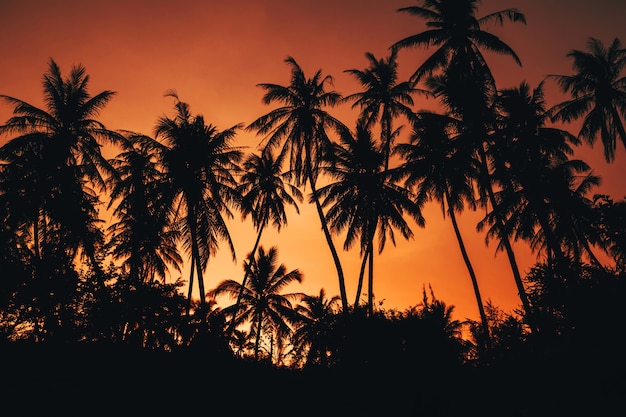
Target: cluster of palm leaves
[68,272]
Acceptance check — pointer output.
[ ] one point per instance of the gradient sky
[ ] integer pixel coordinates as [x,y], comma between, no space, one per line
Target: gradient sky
[213,53]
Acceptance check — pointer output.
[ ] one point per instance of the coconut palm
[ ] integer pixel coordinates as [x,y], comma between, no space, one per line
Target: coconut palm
[598,90]
[363,199]
[61,146]
[300,129]
[536,176]
[456,32]
[265,191]
[316,315]
[384,98]
[142,236]
[439,165]
[263,304]
[200,165]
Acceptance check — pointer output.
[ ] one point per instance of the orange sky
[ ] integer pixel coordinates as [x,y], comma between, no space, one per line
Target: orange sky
[215,52]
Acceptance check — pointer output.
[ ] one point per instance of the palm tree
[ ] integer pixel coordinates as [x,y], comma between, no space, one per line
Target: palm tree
[598,91]
[457,32]
[384,98]
[265,191]
[536,176]
[465,84]
[61,147]
[200,165]
[299,128]
[142,234]
[363,199]
[263,304]
[440,165]
[316,315]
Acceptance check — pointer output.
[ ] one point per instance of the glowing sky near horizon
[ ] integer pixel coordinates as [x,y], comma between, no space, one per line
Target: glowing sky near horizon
[214,53]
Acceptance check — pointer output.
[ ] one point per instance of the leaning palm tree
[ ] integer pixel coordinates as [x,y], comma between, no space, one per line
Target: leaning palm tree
[363,199]
[384,98]
[265,191]
[299,128]
[598,90]
[264,306]
[461,78]
[439,165]
[62,146]
[200,165]
[456,32]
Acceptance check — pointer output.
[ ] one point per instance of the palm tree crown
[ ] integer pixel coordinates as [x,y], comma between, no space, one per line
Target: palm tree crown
[599,94]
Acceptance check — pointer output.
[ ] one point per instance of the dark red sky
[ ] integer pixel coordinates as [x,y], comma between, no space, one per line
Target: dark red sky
[214,53]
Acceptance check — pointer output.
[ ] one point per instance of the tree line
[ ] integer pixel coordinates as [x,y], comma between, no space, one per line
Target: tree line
[70,277]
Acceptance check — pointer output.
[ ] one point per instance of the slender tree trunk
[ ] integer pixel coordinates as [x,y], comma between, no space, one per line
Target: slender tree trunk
[329,240]
[257,342]
[190,286]
[370,283]
[244,281]
[470,269]
[521,291]
[361,275]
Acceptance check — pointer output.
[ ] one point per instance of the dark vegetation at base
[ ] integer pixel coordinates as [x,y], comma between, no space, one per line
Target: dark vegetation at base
[559,379]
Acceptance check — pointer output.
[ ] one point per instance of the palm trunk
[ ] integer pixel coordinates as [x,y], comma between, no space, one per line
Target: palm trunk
[329,240]
[361,275]
[370,283]
[244,281]
[521,291]
[257,342]
[470,269]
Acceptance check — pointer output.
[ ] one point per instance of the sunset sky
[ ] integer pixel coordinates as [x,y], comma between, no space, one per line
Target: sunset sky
[214,53]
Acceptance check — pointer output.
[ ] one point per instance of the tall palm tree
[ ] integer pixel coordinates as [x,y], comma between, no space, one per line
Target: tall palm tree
[441,167]
[464,83]
[456,32]
[265,191]
[263,304]
[364,199]
[598,90]
[200,164]
[61,145]
[384,98]
[142,235]
[299,128]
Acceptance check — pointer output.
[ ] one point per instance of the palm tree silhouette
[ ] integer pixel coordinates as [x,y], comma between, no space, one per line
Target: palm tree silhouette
[200,165]
[598,91]
[537,177]
[263,304]
[384,98]
[465,84]
[265,191]
[316,315]
[440,165]
[142,235]
[299,128]
[364,198]
[60,149]
[456,31]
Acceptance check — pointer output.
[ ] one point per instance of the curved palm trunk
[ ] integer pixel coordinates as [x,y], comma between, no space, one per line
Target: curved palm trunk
[329,240]
[244,281]
[361,275]
[370,283]
[521,291]
[470,269]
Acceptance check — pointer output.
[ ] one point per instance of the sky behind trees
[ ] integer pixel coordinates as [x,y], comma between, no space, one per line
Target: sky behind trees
[214,53]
